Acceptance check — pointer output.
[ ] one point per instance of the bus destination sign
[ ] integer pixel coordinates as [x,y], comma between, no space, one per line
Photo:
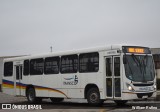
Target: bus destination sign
[135,49]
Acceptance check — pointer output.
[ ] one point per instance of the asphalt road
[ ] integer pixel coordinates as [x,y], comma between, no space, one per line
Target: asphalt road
[71,105]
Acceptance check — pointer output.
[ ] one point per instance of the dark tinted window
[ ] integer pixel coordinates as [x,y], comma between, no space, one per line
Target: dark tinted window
[18,72]
[51,65]
[108,67]
[156,58]
[26,67]
[89,62]
[69,64]
[117,66]
[8,68]
[36,66]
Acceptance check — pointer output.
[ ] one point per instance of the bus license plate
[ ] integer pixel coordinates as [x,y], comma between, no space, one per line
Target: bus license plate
[145,96]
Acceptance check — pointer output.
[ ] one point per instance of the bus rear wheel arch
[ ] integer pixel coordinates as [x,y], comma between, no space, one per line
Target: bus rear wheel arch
[31,96]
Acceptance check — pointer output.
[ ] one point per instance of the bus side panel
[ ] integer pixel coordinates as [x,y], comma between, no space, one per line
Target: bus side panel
[8,85]
[71,84]
[75,93]
[25,81]
[96,78]
[37,82]
[52,83]
[93,79]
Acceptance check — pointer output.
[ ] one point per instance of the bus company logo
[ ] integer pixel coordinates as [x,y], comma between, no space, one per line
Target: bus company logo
[71,81]
[146,89]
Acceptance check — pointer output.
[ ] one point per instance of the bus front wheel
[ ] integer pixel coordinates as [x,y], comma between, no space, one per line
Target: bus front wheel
[31,96]
[93,97]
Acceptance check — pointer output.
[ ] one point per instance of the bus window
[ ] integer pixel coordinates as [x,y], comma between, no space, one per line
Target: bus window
[36,66]
[8,69]
[18,72]
[117,66]
[69,64]
[51,65]
[108,67]
[89,62]
[26,67]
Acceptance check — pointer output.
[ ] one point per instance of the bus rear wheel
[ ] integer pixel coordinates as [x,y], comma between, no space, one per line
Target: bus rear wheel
[57,100]
[31,96]
[93,97]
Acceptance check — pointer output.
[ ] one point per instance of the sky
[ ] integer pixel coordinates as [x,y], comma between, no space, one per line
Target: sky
[33,26]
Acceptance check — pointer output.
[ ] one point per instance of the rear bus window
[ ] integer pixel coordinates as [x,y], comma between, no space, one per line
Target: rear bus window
[8,69]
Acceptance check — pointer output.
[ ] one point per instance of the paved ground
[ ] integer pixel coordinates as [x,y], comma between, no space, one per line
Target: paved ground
[81,105]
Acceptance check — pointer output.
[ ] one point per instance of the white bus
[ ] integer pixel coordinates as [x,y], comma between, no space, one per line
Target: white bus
[116,72]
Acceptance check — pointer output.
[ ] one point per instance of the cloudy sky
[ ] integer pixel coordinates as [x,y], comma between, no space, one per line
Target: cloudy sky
[32,26]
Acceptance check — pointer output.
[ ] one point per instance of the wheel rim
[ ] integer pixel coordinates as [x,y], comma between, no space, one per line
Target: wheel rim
[93,98]
[31,95]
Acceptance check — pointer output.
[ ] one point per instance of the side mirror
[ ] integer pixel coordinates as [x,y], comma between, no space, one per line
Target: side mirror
[124,59]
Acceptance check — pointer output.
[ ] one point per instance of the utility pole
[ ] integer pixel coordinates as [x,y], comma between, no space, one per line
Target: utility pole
[51,48]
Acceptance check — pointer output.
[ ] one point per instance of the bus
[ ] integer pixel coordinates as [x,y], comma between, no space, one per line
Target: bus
[116,72]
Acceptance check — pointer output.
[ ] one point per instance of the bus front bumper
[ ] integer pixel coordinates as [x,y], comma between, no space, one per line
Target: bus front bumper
[138,95]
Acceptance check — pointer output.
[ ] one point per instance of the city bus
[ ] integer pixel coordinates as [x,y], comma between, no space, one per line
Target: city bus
[116,72]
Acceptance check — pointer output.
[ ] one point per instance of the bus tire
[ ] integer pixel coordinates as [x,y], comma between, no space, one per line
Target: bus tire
[57,100]
[31,96]
[93,97]
[120,102]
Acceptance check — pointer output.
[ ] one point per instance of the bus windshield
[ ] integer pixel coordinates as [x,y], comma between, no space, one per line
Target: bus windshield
[139,68]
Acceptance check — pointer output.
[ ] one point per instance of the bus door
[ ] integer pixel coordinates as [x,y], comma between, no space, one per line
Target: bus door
[18,79]
[113,80]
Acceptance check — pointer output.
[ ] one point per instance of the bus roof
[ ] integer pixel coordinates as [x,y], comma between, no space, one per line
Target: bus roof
[76,51]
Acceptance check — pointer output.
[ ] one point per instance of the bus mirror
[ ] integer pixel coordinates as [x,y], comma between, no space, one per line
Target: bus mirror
[124,59]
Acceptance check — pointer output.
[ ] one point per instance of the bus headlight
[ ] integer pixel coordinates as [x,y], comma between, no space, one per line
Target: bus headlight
[130,88]
[155,87]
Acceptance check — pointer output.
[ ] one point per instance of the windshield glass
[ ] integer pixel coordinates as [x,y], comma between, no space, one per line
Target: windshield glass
[139,68]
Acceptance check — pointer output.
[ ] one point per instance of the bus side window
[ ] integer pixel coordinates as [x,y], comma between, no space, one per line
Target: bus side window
[26,67]
[108,67]
[69,64]
[36,66]
[89,62]
[8,69]
[117,66]
[51,65]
